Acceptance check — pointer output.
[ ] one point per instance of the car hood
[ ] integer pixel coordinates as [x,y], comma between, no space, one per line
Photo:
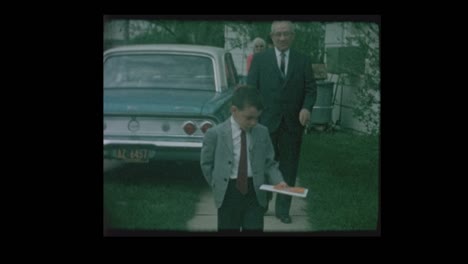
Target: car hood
[156,101]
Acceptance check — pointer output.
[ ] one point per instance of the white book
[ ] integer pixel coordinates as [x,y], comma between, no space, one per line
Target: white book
[287,191]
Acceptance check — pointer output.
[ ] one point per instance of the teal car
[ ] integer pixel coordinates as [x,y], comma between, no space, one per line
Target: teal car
[159,100]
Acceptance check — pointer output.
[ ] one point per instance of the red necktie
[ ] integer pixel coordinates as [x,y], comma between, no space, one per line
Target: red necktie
[241,182]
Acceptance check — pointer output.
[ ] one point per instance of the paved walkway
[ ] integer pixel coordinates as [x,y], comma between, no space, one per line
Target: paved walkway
[205,216]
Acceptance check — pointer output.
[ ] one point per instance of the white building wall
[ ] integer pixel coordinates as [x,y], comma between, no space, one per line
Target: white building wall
[336,35]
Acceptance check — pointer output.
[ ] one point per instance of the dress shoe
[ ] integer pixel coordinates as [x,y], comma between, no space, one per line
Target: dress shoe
[285,219]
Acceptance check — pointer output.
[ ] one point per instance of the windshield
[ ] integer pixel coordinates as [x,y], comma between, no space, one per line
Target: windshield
[159,71]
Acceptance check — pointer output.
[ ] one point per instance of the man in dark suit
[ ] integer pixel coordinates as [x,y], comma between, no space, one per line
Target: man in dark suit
[237,157]
[285,80]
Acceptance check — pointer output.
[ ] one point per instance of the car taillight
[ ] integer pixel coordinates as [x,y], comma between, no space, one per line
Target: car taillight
[189,127]
[205,126]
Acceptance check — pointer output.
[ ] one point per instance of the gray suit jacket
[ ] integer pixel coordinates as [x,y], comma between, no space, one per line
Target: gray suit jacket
[217,159]
[283,96]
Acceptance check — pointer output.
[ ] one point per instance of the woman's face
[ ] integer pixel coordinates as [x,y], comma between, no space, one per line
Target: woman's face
[259,47]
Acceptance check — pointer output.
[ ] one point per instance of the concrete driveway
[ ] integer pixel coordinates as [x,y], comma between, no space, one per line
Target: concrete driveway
[205,216]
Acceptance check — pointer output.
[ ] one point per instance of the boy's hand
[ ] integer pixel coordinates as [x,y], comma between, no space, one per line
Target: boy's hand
[281,185]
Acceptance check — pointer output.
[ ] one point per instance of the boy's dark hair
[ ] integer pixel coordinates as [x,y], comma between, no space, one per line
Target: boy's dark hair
[246,95]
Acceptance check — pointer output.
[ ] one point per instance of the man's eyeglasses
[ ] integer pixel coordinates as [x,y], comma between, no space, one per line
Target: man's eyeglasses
[285,34]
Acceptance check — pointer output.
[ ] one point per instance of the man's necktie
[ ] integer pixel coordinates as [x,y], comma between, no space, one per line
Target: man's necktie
[241,182]
[282,64]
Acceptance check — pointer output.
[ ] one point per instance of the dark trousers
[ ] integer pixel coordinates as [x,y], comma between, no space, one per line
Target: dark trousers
[240,212]
[287,146]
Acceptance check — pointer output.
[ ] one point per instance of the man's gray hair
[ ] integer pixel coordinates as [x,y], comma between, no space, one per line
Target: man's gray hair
[291,25]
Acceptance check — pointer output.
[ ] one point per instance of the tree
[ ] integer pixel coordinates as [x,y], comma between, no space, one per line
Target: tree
[171,31]
[309,37]
[367,110]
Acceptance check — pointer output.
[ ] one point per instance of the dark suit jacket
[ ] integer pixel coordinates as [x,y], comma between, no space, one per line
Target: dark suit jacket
[216,160]
[283,96]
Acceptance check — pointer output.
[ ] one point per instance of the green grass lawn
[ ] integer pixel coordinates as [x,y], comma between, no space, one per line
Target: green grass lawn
[341,171]
[149,197]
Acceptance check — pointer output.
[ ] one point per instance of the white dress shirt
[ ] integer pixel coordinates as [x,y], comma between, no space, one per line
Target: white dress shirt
[286,60]
[236,143]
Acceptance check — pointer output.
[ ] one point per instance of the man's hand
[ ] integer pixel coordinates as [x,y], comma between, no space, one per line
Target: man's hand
[304,116]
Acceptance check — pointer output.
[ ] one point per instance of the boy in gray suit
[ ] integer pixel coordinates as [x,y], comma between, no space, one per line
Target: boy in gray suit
[236,158]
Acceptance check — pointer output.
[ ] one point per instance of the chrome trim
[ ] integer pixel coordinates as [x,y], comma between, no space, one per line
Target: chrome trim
[154,143]
[207,121]
[116,125]
[323,107]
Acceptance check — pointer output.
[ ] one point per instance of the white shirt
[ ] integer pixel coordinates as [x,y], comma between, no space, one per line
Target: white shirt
[286,59]
[236,143]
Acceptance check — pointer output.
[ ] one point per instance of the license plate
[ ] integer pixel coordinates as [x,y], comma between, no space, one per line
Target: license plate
[133,155]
